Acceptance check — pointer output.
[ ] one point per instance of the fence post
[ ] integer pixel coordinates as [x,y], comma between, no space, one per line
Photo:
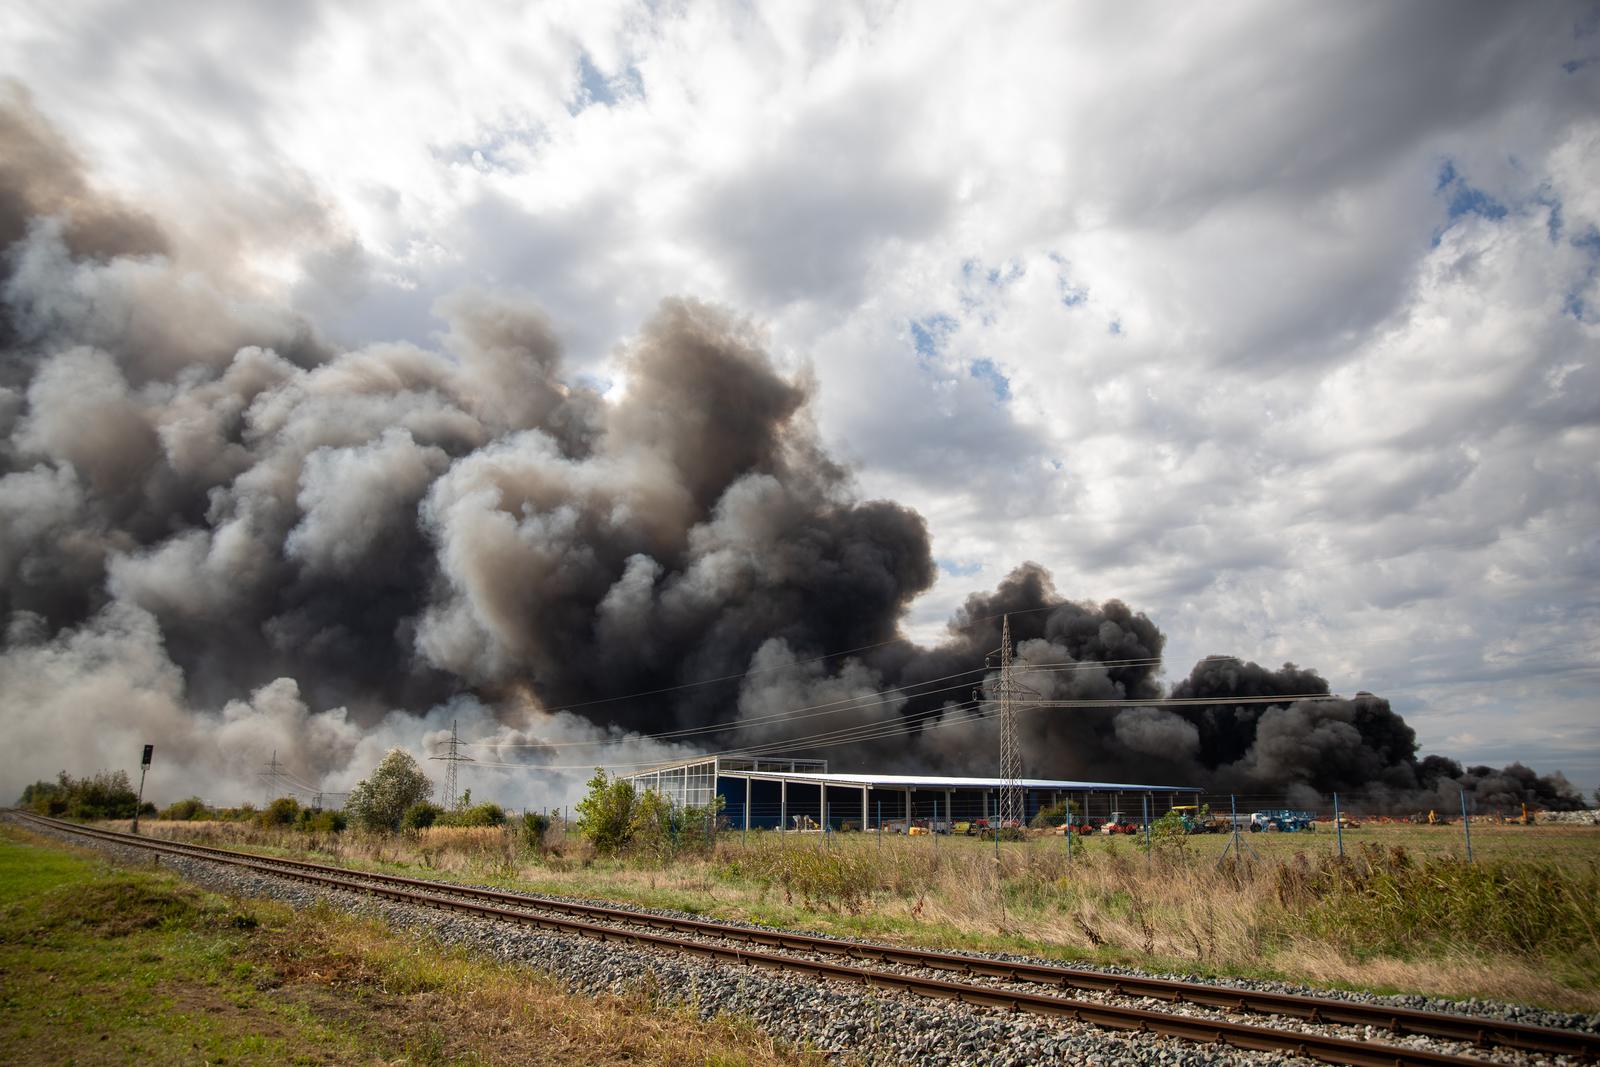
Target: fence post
[880,824]
[1146,800]
[1466,825]
[1338,826]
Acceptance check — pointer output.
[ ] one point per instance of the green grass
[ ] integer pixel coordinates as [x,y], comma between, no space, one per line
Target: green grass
[100,965]
[104,964]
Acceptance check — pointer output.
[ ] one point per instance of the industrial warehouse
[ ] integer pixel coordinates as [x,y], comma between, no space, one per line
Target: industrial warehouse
[780,793]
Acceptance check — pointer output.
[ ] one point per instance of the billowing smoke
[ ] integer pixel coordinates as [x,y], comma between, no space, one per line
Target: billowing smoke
[223,535]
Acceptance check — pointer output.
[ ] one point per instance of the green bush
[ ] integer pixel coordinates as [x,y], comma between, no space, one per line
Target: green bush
[1387,901]
[321,821]
[534,826]
[477,815]
[103,795]
[1053,814]
[606,813]
[420,816]
[186,810]
[284,811]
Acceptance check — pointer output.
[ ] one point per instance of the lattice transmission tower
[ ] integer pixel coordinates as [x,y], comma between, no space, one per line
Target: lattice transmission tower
[452,757]
[272,776]
[1011,810]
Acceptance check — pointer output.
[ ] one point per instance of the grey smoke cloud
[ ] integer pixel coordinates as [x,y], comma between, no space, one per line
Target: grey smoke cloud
[226,534]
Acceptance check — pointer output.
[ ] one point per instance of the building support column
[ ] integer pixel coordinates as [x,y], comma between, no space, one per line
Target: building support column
[866,820]
[747,805]
[908,810]
[783,805]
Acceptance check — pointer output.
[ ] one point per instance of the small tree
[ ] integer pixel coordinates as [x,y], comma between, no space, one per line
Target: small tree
[605,815]
[379,802]
[650,827]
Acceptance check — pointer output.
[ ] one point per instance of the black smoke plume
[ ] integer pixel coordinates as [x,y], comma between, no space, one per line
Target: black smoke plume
[221,534]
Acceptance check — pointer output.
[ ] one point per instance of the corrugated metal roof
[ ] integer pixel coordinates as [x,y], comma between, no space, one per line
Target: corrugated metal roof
[933,781]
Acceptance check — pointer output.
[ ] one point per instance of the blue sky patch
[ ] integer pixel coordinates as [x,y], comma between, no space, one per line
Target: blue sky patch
[1556,221]
[595,88]
[1463,199]
[985,371]
[1115,329]
[1071,293]
[1589,243]
[593,83]
[929,334]
[959,568]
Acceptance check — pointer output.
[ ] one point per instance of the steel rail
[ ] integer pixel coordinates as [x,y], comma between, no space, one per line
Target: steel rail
[1481,1032]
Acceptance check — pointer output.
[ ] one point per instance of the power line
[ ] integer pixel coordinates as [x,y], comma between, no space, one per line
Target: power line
[883,730]
[718,726]
[783,666]
[788,714]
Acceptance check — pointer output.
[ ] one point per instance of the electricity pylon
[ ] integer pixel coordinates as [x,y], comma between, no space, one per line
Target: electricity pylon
[451,758]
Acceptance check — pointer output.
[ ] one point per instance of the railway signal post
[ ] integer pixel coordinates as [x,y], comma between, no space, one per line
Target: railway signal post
[144,766]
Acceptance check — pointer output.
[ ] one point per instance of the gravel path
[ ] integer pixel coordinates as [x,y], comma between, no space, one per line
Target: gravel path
[840,1019]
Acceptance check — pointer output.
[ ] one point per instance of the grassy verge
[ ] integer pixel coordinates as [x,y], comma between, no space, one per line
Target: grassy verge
[1409,917]
[111,965]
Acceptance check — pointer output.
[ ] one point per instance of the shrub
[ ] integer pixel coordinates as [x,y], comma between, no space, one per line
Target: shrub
[1053,814]
[477,815]
[284,811]
[321,821]
[420,816]
[103,795]
[534,826]
[651,828]
[186,810]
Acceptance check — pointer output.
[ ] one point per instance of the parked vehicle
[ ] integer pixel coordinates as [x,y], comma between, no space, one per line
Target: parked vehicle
[1282,820]
[1116,824]
[1197,820]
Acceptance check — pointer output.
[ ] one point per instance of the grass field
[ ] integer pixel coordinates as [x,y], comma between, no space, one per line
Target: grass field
[101,964]
[1402,911]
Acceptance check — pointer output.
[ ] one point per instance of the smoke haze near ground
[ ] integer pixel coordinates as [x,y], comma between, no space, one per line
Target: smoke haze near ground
[223,535]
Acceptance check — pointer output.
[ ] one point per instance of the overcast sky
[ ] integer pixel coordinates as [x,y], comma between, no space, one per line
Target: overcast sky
[1277,321]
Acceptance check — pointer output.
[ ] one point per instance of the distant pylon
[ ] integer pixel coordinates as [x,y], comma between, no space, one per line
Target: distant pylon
[271,775]
[1011,802]
[451,757]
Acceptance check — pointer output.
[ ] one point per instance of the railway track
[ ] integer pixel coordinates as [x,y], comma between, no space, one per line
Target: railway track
[1000,984]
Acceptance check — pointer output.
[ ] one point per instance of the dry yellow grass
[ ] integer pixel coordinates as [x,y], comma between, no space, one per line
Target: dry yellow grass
[1177,908]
